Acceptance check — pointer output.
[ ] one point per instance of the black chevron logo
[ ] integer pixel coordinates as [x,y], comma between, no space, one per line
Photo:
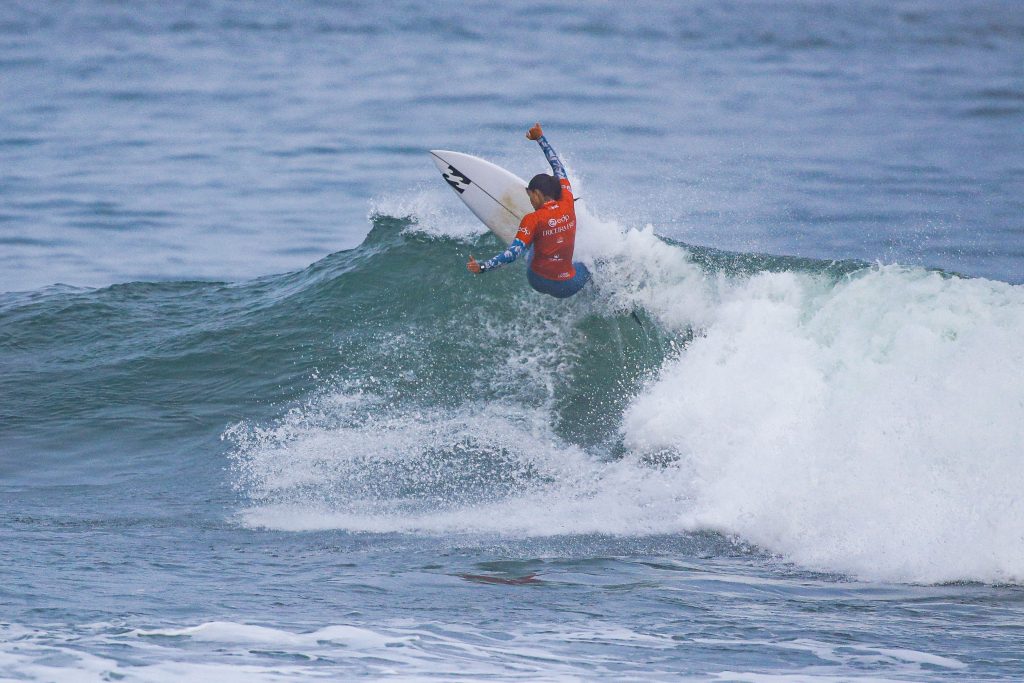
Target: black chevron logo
[455,178]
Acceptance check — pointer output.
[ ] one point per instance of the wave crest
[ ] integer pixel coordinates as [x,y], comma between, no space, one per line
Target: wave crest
[865,420]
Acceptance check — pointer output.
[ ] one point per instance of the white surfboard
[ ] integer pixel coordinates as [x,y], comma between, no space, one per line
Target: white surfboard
[497,197]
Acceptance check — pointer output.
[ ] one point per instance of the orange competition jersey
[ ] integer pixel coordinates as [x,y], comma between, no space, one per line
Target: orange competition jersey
[552,231]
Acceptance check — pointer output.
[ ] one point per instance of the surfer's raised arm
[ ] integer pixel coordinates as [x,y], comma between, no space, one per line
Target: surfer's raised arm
[556,164]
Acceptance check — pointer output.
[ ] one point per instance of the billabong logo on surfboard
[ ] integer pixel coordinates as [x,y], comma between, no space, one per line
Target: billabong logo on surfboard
[496,196]
[456,179]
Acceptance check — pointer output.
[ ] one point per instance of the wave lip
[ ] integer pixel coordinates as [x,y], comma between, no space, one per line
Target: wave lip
[854,419]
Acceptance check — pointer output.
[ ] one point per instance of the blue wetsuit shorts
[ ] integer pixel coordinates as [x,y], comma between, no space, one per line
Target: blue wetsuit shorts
[560,289]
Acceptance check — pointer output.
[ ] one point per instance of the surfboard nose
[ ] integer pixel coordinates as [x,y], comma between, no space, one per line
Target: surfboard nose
[441,159]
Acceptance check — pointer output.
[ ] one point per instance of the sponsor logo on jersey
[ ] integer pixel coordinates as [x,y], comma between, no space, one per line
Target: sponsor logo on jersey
[559,229]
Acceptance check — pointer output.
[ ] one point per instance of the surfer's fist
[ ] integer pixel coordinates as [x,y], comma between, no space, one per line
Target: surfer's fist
[535,132]
[472,266]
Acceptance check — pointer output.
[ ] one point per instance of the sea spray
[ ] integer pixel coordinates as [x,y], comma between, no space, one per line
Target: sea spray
[858,419]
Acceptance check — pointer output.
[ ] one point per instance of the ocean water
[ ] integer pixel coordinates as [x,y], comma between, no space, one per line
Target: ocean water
[257,423]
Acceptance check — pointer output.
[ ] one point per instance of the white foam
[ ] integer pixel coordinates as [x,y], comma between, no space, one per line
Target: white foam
[23,659]
[412,650]
[845,657]
[872,427]
[230,651]
[790,677]
[433,212]
[231,632]
[544,486]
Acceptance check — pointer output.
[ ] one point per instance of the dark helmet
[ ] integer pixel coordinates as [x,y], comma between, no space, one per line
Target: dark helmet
[547,184]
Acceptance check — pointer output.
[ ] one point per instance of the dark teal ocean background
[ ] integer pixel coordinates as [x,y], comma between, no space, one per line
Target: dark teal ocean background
[257,423]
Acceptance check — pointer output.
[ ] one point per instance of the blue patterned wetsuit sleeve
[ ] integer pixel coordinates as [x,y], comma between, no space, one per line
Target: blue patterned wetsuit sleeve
[552,155]
[506,257]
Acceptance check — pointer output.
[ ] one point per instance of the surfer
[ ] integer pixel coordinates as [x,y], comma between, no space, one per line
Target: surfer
[549,232]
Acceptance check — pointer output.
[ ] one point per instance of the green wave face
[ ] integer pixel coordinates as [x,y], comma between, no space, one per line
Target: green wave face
[159,363]
[164,366]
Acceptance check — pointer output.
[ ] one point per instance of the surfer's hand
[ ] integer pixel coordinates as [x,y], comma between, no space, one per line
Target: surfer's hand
[472,266]
[535,132]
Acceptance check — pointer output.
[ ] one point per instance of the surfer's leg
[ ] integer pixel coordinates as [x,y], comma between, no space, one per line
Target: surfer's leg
[582,275]
[574,285]
[540,284]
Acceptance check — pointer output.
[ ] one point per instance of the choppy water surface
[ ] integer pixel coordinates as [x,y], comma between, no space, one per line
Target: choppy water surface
[255,434]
